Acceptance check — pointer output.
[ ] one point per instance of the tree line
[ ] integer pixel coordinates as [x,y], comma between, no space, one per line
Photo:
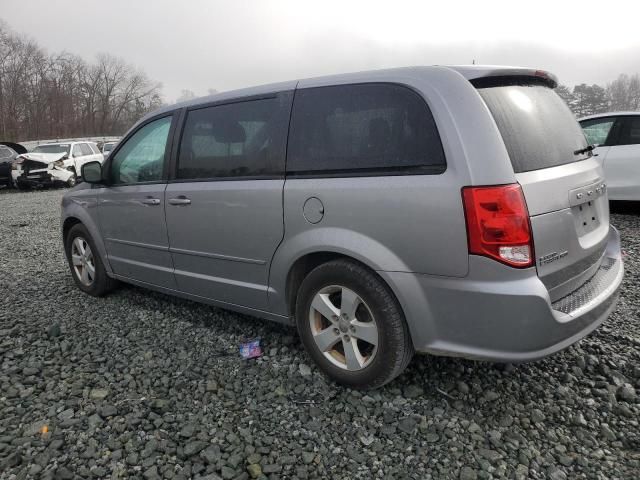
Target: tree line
[60,95]
[621,94]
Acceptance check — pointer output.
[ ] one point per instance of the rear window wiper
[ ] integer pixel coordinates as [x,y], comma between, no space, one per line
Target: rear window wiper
[588,148]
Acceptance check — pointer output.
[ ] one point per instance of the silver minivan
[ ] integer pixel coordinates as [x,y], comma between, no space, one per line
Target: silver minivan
[446,210]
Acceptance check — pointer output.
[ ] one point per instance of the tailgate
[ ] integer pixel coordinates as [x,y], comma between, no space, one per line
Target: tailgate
[570,223]
[563,184]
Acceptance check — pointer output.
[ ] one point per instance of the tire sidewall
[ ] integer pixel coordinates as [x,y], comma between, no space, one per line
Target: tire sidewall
[100,279]
[381,307]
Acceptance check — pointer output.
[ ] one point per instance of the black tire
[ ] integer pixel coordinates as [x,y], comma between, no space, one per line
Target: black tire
[73,180]
[102,283]
[395,348]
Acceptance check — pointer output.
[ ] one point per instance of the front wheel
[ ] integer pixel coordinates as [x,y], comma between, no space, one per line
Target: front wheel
[72,180]
[352,325]
[85,263]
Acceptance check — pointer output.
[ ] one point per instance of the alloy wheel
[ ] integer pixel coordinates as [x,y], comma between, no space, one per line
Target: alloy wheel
[83,262]
[343,328]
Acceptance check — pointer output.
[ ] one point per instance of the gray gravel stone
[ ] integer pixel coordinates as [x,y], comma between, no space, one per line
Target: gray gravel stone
[54,331]
[181,403]
[192,448]
[468,473]
[413,391]
[626,392]
[98,393]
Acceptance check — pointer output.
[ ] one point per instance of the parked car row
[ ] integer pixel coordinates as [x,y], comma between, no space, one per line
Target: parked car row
[48,164]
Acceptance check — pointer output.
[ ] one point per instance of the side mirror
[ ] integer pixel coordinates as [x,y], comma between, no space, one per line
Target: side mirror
[92,172]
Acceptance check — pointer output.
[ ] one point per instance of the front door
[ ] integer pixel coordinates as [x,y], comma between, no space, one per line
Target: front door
[131,207]
[224,206]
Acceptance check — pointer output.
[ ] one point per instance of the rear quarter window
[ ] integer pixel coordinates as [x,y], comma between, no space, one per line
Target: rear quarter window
[363,129]
[536,125]
[86,150]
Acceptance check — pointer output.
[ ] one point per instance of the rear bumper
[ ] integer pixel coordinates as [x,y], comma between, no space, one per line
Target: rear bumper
[503,314]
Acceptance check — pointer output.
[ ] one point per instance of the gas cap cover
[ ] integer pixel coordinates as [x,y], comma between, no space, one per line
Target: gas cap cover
[313,210]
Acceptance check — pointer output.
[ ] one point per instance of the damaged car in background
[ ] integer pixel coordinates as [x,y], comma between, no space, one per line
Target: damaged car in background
[9,151]
[53,164]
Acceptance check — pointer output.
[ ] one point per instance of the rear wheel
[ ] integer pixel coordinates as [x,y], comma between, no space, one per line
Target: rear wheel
[85,263]
[352,325]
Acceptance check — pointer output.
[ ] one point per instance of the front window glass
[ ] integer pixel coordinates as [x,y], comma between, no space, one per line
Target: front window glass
[597,130]
[77,151]
[141,158]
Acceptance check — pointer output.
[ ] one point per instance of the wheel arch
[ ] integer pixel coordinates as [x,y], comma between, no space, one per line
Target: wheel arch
[67,225]
[300,253]
[86,215]
[303,265]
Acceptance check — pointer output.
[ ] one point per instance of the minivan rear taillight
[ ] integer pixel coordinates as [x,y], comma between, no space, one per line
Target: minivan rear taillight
[498,224]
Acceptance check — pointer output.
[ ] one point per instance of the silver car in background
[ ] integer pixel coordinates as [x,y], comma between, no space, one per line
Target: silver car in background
[446,210]
[107,147]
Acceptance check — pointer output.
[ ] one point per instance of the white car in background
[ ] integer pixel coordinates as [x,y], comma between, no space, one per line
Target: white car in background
[54,164]
[616,138]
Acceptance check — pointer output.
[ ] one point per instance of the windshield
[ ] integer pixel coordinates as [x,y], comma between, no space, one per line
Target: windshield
[5,152]
[537,127]
[61,148]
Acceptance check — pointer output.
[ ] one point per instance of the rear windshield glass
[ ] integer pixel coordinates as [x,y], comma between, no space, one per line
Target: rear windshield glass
[537,127]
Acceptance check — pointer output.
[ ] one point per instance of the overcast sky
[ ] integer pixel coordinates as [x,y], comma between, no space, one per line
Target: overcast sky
[203,44]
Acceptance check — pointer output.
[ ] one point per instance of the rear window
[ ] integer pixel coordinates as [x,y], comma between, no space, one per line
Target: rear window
[363,129]
[245,139]
[597,130]
[537,127]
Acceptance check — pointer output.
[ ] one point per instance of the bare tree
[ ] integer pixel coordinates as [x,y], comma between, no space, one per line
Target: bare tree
[61,95]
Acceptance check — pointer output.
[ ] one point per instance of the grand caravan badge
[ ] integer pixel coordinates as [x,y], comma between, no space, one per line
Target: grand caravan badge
[552,257]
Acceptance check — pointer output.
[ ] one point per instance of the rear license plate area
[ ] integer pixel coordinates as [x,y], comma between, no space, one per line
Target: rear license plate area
[586,216]
[583,203]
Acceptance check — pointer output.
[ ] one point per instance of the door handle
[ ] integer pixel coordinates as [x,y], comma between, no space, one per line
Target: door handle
[151,201]
[181,200]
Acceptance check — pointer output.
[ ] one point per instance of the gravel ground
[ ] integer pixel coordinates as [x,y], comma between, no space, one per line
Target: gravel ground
[140,384]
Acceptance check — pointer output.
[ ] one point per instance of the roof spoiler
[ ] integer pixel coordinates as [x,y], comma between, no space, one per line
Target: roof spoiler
[487,76]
